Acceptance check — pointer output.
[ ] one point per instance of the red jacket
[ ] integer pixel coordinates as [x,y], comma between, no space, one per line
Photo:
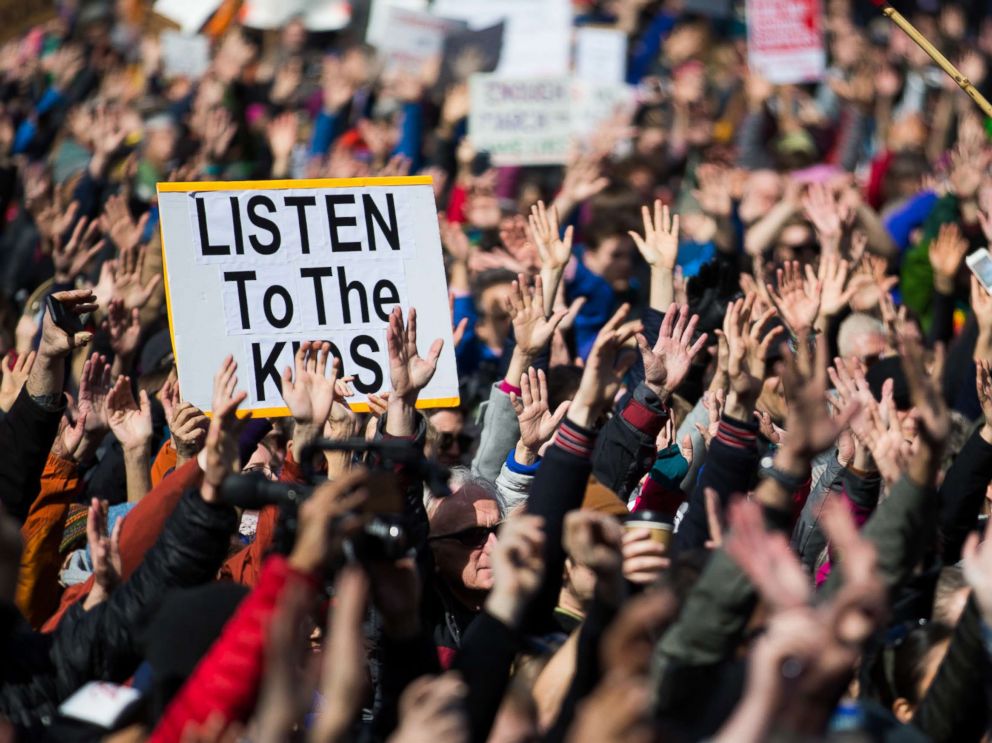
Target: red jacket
[228,678]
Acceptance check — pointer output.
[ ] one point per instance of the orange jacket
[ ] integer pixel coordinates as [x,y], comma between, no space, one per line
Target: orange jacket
[38,580]
[165,460]
[141,529]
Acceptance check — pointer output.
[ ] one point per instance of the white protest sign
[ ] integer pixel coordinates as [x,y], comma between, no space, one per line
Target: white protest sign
[595,102]
[538,34]
[785,40]
[377,31]
[316,15]
[415,38]
[184,54]
[520,121]
[600,55]
[254,268]
[189,14]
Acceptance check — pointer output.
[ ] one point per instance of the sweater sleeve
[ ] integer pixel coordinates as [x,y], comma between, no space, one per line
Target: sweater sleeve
[37,580]
[485,660]
[26,436]
[962,494]
[559,487]
[228,678]
[500,431]
[730,466]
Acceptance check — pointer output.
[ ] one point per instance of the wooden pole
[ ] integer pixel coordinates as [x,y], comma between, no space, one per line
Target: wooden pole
[943,62]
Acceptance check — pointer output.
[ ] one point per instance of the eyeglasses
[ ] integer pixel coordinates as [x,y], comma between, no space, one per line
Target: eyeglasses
[446,440]
[472,537]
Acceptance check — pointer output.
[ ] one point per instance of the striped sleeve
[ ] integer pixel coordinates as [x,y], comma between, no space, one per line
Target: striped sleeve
[737,434]
[575,439]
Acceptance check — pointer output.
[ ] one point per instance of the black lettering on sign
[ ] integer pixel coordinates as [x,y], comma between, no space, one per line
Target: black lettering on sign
[323,272]
[263,370]
[367,363]
[300,203]
[287,311]
[335,220]
[201,221]
[239,238]
[345,289]
[385,292]
[240,278]
[390,229]
[270,247]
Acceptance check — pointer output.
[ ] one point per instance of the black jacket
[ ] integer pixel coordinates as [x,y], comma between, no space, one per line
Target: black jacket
[39,671]
[26,436]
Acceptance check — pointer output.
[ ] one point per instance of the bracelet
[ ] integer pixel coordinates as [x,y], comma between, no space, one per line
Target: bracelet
[790,482]
[48,403]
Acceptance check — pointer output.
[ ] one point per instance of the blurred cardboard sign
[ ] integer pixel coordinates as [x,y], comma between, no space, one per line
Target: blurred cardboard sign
[185,55]
[595,102]
[17,16]
[600,55]
[785,40]
[537,38]
[521,121]
[189,15]
[377,30]
[416,37]
[317,15]
[468,52]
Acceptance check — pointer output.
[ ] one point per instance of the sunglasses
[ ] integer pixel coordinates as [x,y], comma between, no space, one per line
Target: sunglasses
[473,537]
[447,440]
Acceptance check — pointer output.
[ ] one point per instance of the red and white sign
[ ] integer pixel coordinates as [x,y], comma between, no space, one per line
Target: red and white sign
[785,40]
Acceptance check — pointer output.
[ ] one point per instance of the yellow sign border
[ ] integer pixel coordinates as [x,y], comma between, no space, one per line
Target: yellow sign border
[188,186]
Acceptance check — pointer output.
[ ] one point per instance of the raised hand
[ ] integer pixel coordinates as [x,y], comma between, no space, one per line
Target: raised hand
[604,370]
[13,375]
[105,553]
[713,402]
[668,363]
[838,287]
[810,428]
[126,273]
[56,342]
[946,252]
[409,372]
[432,710]
[714,194]
[532,327]
[828,215]
[219,457]
[130,422]
[95,384]
[281,133]
[537,423]
[766,558]
[931,411]
[797,300]
[553,249]
[124,329]
[307,389]
[320,519]
[983,385]
[124,231]
[595,540]
[660,243]
[187,423]
[518,567]
[71,257]
[748,343]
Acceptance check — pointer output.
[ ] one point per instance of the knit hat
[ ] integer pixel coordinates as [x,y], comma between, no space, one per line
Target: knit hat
[74,531]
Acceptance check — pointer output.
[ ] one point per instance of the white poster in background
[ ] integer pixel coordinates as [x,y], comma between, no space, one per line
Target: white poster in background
[377,28]
[415,38]
[538,35]
[785,40]
[189,14]
[520,121]
[255,268]
[595,102]
[186,55]
[317,15]
[600,55]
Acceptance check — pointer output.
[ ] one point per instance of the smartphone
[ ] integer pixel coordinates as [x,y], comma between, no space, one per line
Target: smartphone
[980,263]
[63,318]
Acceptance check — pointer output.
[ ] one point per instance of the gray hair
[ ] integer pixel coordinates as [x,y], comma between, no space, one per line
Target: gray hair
[854,325]
[462,477]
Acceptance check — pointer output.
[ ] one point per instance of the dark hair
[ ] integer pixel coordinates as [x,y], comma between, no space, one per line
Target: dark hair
[901,664]
[563,383]
[488,279]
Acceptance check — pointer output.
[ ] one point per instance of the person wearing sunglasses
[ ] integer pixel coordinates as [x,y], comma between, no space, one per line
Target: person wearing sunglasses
[463,529]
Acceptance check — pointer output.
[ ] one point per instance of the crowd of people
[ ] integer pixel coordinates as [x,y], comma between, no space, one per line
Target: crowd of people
[721,470]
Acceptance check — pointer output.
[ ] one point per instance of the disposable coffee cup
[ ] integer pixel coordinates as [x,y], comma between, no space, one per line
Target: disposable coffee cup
[660,525]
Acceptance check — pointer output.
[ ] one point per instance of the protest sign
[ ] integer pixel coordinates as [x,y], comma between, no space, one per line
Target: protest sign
[254,268]
[520,121]
[470,51]
[187,55]
[600,55]
[416,37]
[537,38]
[595,102]
[316,15]
[189,15]
[377,28]
[785,40]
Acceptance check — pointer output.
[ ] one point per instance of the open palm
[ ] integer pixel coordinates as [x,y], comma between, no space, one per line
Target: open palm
[307,389]
[667,364]
[409,372]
